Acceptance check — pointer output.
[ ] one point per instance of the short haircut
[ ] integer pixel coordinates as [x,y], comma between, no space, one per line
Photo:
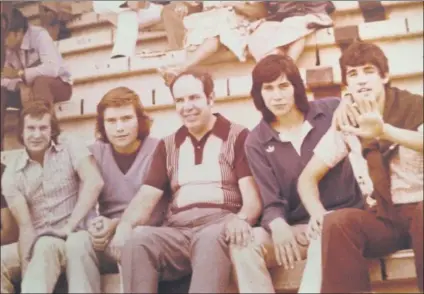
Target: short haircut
[38,109]
[117,97]
[16,22]
[204,77]
[360,53]
[268,70]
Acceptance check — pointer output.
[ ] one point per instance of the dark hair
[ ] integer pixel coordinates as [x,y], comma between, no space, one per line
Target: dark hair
[269,69]
[118,97]
[38,109]
[16,22]
[360,53]
[204,77]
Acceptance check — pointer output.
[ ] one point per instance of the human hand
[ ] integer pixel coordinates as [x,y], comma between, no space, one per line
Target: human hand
[285,244]
[315,225]
[370,123]
[238,232]
[101,230]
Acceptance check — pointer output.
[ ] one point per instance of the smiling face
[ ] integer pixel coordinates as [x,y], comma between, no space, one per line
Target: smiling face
[121,127]
[279,96]
[366,81]
[37,133]
[194,108]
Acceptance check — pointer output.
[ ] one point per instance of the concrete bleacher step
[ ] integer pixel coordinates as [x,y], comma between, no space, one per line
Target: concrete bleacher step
[94,77]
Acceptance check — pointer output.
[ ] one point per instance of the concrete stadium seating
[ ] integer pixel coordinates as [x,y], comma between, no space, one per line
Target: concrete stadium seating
[87,53]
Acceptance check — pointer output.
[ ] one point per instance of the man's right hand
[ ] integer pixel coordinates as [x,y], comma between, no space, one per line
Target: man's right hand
[101,230]
[285,244]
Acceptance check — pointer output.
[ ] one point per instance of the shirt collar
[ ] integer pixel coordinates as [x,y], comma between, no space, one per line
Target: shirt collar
[26,39]
[24,159]
[267,133]
[221,129]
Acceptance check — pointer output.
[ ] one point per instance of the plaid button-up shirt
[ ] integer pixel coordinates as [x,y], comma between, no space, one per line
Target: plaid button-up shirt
[51,190]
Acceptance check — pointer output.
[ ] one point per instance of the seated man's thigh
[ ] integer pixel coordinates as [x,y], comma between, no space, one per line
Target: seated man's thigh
[10,268]
[164,245]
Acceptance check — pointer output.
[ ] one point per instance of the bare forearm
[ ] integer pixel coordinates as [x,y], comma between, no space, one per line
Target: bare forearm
[27,236]
[134,213]
[309,194]
[409,139]
[87,199]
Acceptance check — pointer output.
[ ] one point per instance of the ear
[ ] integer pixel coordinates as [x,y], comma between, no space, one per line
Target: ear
[386,78]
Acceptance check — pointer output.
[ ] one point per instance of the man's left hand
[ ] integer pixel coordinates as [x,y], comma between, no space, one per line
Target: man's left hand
[10,73]
[370,124]
[238,232]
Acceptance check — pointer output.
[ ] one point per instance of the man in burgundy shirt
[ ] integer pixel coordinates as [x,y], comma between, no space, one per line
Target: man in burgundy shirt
[214,200]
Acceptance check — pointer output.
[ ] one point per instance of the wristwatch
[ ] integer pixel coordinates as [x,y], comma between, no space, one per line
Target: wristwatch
[21,74]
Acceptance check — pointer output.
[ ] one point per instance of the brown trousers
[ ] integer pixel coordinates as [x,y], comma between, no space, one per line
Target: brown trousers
[191,242]
[48,89]
[350,236]
[174,25]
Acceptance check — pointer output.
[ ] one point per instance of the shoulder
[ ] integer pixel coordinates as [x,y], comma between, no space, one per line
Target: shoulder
[238,130]
[97,148]
[253,138]
[151,142]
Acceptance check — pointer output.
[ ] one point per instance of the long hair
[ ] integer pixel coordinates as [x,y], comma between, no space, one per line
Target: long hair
[269,69]
[118,97]
[38,109]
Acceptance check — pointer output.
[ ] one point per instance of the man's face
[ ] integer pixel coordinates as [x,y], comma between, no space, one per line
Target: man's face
[191,102]
[365,81]
[37,133]
[14,40]
[121,126]
[279,96]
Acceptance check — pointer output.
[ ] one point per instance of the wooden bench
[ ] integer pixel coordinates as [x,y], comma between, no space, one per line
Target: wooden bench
[392,273]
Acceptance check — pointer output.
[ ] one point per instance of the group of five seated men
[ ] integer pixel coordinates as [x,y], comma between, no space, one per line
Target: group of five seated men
[214,200]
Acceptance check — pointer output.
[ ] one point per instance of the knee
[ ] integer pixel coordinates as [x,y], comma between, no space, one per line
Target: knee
[241,254]
[78,245]
[45,246]
[41,81]
[141,237]
[211,236]
[339,219]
